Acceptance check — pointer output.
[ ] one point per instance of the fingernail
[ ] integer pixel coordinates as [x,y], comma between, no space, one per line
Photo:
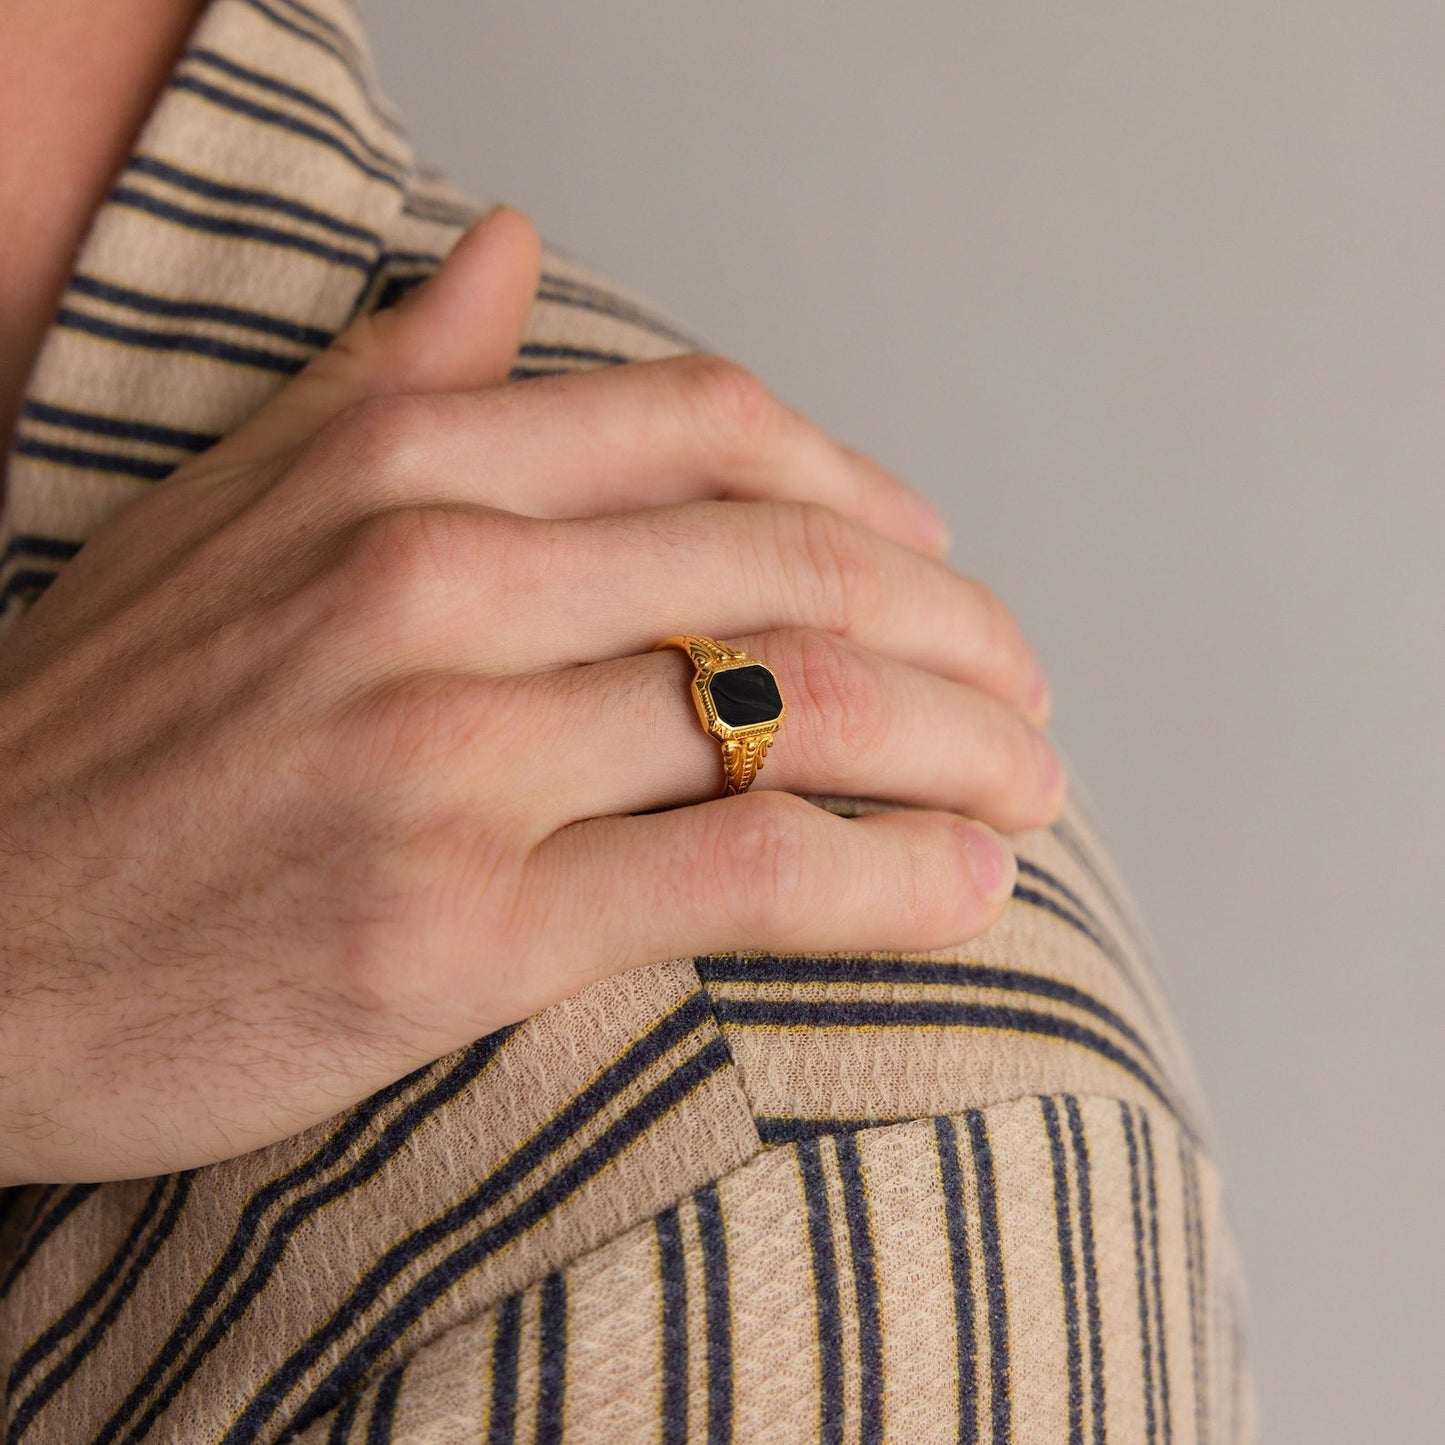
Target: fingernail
[931,523]
[994,867]
[480,223]
[1051,770]
[414,294]
[1039,698]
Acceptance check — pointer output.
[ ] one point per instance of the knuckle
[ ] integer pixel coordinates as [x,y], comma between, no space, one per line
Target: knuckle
[401,730]
[379,445]
[413,898]
[402,570]
[375,933]
[848,712]
[409,752]
[838,573]
[734,406]
[391,560]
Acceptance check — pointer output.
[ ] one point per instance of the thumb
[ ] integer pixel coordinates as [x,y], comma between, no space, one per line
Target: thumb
[460,329]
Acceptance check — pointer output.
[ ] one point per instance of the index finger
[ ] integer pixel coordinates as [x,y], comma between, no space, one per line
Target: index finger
[625,438]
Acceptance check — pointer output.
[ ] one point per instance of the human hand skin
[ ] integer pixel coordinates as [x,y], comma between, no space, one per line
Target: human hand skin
[329,754]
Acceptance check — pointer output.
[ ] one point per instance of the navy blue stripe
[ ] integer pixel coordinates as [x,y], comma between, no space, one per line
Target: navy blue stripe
[25,581]
[1000,1403]
[1201,1262]
[56,547]
[916,1013]
[1105,945]
[1091,1273]
[576,358]
[345,49]
[506,1353]
[1063,829]
[1236,1365]
[581,355]
[280,120]
[360,1122]
[552,1365]
[179,341]
[660,1100]
[249,196]
[734,968]
[340,48]
[39,1197]
[1090,927]
[717,1314]
[549,1195]
[1064,1227]
[66,1368]
[322,23]
[340,1431]
[383,1412]
[427,260]
[961,1269]
[825,1294]
[304,98]
[1031,869]
[557,289]
[46,1223]
[672,1281]
[393,289]
[1186,1229]
[258,321]
[123,428]
[787,1129]
[434,212]
[385,287]
[1153,1198]
[282,23]
[238,229]
[1146,1349]
[1194,1259]
[592,298]
[865,1284]
[115,463]
[73,1318]
[619,312]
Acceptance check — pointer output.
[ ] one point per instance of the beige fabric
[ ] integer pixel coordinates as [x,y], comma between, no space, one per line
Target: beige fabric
[963,1195]
[615,1353]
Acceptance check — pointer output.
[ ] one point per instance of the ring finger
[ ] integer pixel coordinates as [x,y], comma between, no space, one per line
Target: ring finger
[858,724]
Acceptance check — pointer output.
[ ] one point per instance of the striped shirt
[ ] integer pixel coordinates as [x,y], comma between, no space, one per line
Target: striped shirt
[965,1195]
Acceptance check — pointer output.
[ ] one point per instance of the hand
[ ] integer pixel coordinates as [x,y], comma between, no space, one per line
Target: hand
[321,759]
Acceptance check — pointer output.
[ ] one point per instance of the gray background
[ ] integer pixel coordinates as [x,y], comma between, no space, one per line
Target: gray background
[1152,299]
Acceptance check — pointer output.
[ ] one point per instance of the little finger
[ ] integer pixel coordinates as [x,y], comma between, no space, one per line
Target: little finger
[761,871]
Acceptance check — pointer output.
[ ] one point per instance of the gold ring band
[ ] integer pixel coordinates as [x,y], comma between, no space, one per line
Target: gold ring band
[737,702]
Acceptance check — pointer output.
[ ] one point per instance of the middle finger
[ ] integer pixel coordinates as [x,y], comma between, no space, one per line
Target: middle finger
[471,589]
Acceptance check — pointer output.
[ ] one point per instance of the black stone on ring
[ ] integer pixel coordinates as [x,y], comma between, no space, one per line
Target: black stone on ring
[745,695]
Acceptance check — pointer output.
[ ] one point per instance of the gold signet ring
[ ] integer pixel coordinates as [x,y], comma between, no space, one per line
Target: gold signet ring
[737,702]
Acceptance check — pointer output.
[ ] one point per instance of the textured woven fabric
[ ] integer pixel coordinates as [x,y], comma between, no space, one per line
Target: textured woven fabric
[964,1195]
